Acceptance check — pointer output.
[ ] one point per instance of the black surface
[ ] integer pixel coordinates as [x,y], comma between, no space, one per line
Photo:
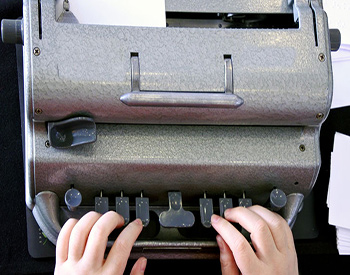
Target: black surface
[316,256]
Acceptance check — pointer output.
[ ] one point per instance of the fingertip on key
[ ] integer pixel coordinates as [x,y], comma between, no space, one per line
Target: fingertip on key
[138,221]
[215,218]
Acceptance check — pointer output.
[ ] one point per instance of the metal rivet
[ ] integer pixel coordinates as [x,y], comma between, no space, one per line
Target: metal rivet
[47,144]
[38,111]
[302,147]
[320,116]
[321,57]
[36,51]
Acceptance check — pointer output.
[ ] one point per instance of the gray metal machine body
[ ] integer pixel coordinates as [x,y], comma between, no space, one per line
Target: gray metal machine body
[195,106]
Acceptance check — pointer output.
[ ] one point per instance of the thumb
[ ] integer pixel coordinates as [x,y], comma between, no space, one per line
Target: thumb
[139,267]
[228,263]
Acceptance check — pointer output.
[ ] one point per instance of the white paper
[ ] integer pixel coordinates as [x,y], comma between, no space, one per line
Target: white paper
[339,184]
[341,79]
[338,199]
[338,12]
[143,13]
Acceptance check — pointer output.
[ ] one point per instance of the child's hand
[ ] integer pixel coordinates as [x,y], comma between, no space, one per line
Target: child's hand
[81,245]
[271,237]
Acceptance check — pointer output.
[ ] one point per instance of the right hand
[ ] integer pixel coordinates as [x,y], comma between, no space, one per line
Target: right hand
[271,238]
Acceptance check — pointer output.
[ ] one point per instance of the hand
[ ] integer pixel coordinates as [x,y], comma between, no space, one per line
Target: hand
[81,245]
[270,235]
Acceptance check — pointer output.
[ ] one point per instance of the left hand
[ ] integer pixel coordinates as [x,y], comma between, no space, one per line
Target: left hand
[81,245]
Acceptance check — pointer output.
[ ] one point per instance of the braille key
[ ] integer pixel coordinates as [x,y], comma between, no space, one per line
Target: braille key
[244,202]
[101,204]
[225,203]
[142,209]
[206,210]
[176,216]
[122,207]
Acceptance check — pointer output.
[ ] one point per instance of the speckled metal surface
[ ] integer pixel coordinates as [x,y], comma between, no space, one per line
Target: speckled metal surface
[192,159]
[84,69]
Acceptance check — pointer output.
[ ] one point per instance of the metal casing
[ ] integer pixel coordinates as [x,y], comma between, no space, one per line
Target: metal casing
[85,69]
[271,141]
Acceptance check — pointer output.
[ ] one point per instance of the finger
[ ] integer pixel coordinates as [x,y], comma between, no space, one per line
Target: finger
[63,241]
[241,249]
[228,263]
[120,251]
[139,267]
[260,233]
[98,237]
[80,234]
[278,226]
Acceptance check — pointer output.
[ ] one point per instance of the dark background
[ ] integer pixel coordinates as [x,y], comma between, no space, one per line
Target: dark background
[316,256]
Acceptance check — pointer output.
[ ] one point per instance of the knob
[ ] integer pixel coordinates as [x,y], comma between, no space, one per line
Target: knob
[278,199]
[12,31]
[73,199]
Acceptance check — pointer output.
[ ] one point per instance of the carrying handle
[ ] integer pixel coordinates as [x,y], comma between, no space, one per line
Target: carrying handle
[137,97]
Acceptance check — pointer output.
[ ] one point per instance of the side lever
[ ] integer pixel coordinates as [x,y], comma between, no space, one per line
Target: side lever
[71,132]
[292,208]
[46,214]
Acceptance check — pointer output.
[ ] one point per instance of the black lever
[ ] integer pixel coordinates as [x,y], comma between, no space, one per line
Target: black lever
[72,132]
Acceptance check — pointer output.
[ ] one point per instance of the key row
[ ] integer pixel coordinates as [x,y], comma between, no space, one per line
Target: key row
[176,216]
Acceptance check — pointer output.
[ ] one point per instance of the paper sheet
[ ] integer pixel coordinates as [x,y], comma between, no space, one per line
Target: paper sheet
[341,80]
[338,18]
[339,184]
[150,13]
[338,199]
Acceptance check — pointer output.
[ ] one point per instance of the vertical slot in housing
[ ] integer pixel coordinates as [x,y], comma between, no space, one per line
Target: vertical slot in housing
[39,20]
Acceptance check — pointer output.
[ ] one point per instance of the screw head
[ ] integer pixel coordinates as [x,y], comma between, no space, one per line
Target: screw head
[47,144]
[320,115]
[38,111]
[321,57]
[36,51]
[302,148]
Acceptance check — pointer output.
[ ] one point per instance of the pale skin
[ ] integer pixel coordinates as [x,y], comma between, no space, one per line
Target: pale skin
[81,244]
[271,238]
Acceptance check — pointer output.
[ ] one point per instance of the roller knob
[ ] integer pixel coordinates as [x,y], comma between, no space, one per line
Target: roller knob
[335,38]
[12,31]
[278,199]
[73,199]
